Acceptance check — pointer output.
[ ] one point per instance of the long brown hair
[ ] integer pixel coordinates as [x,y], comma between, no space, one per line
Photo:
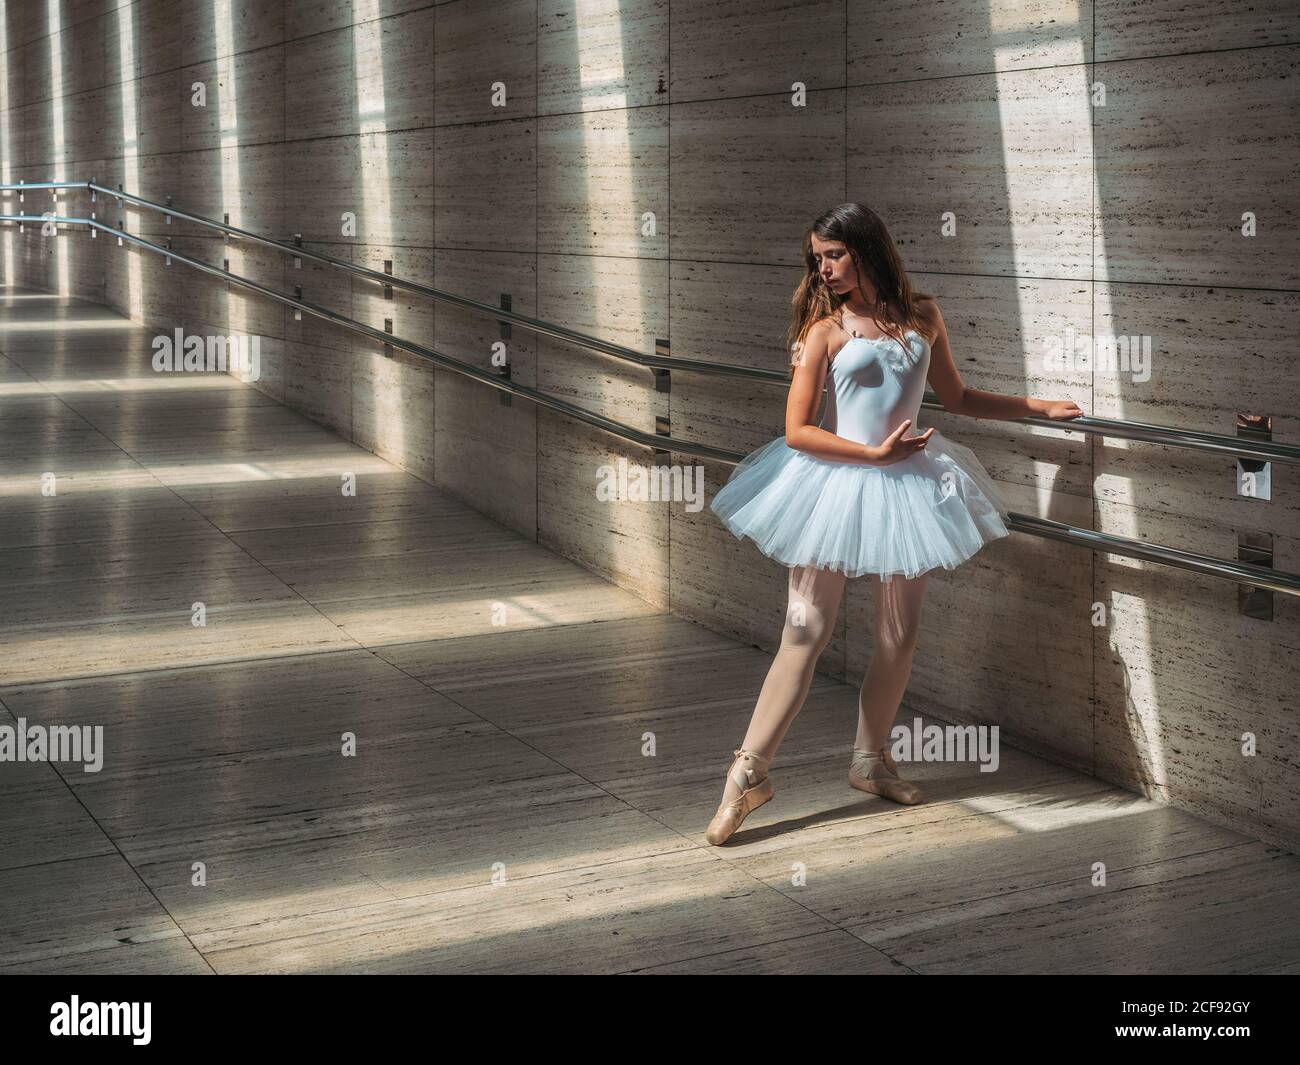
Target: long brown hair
[873,253]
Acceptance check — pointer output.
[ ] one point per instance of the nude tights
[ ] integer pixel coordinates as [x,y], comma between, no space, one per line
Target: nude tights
[814,602]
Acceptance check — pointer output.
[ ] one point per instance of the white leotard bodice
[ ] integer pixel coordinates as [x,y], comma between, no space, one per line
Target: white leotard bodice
[875,387]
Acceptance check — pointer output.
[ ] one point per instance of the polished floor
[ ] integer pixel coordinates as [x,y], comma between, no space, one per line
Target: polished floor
[499,814]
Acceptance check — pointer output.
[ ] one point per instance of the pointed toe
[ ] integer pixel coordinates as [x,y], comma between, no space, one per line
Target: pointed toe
[729,817]
[754,793]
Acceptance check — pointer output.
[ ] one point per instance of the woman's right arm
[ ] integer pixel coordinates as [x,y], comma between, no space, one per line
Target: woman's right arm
[804,399]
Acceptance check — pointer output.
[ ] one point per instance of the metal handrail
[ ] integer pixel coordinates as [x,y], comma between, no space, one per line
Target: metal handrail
[1239,572]
[1170,436]
[536,325]
[484,376]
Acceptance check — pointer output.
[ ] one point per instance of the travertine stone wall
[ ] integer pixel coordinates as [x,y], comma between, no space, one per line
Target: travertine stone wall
[648,175]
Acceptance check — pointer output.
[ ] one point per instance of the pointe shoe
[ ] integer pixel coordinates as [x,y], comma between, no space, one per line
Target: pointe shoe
[754,792]
[887,781]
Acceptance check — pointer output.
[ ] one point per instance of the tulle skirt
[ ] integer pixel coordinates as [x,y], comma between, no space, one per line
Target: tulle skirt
[934,508]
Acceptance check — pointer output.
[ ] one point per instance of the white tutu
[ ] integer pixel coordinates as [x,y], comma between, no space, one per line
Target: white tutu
[934,508]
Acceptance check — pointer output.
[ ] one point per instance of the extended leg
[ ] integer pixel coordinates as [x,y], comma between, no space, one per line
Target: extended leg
[809,619]
[814,603]
[809,622]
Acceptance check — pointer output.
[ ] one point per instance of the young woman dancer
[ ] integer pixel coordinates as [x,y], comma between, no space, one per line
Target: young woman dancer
[853,495]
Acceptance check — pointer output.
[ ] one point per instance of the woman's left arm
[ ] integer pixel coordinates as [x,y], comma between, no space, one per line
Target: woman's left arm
[958,399]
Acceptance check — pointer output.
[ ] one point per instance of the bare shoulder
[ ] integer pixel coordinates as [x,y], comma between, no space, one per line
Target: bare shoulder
[829,336]
[817,338]
[928,308]
[932,325]
[830,332]
[821,333]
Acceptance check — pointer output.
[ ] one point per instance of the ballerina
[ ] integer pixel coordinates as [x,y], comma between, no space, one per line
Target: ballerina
[853,495]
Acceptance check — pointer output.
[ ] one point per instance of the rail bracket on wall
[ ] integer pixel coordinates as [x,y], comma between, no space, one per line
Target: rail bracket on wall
[1255,476]
[388,295]
[503,370]
[1257,549]
[663,376]
[297,259]
[297,311]
[225,239]
[167,218]
[663,427]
